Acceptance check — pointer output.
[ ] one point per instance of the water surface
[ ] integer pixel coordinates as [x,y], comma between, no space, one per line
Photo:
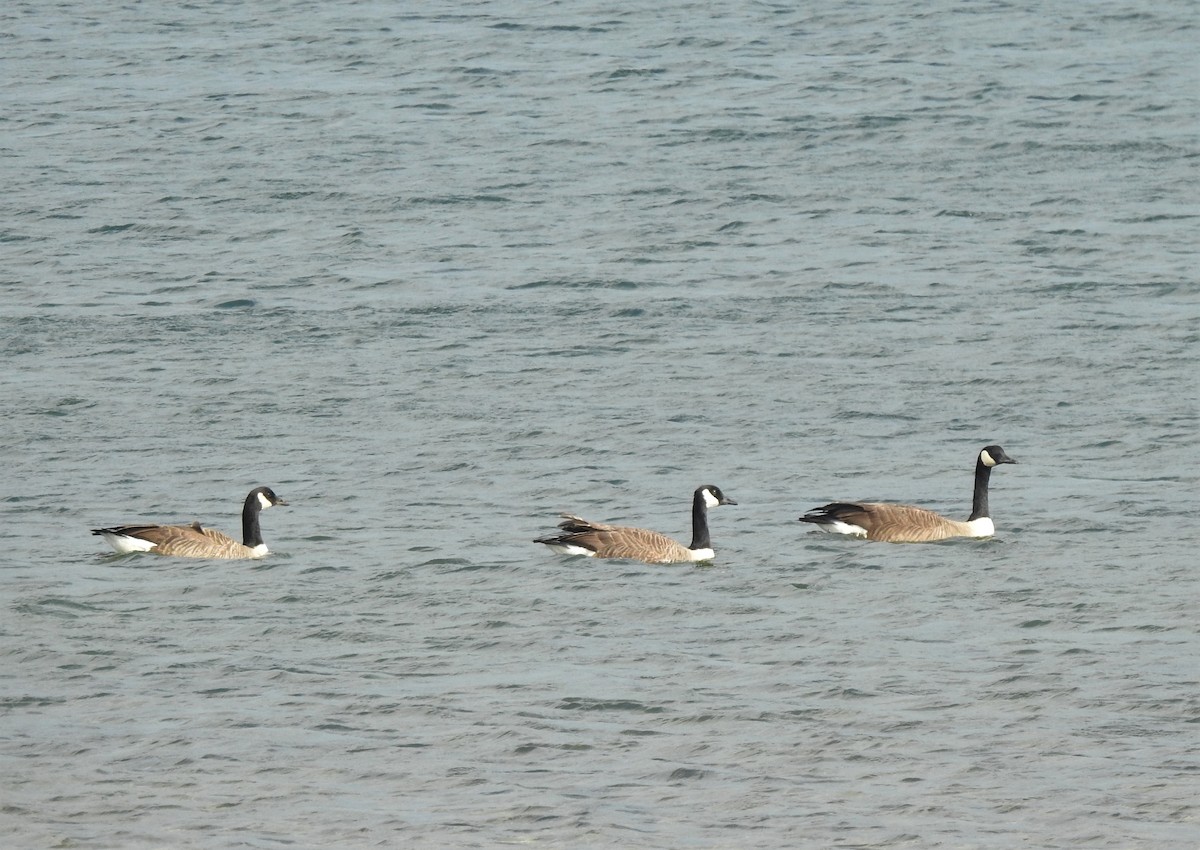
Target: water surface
[439,273]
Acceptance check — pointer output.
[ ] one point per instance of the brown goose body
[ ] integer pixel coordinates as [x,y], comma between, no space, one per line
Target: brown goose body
[600,540]
[890,523]
[196,541]
[895,523]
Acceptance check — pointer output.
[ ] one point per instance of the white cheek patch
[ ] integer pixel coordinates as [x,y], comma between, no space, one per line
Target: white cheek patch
[709,499]
[986,458]
[264,501]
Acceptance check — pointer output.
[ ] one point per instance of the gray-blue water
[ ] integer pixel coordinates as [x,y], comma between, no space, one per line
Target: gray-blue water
[437,272]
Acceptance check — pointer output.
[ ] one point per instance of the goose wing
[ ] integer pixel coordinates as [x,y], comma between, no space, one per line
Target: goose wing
[196,541]
[577,525]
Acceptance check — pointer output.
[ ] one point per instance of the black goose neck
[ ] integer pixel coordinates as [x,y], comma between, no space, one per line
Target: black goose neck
[251,533]
[979,503]
[700,522]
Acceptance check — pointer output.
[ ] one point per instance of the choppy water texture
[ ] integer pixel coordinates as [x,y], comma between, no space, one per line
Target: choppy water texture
[437,272]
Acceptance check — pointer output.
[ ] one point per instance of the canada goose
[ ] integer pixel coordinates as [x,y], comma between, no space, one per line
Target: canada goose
[195,541]
[597,540]
[909,524]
